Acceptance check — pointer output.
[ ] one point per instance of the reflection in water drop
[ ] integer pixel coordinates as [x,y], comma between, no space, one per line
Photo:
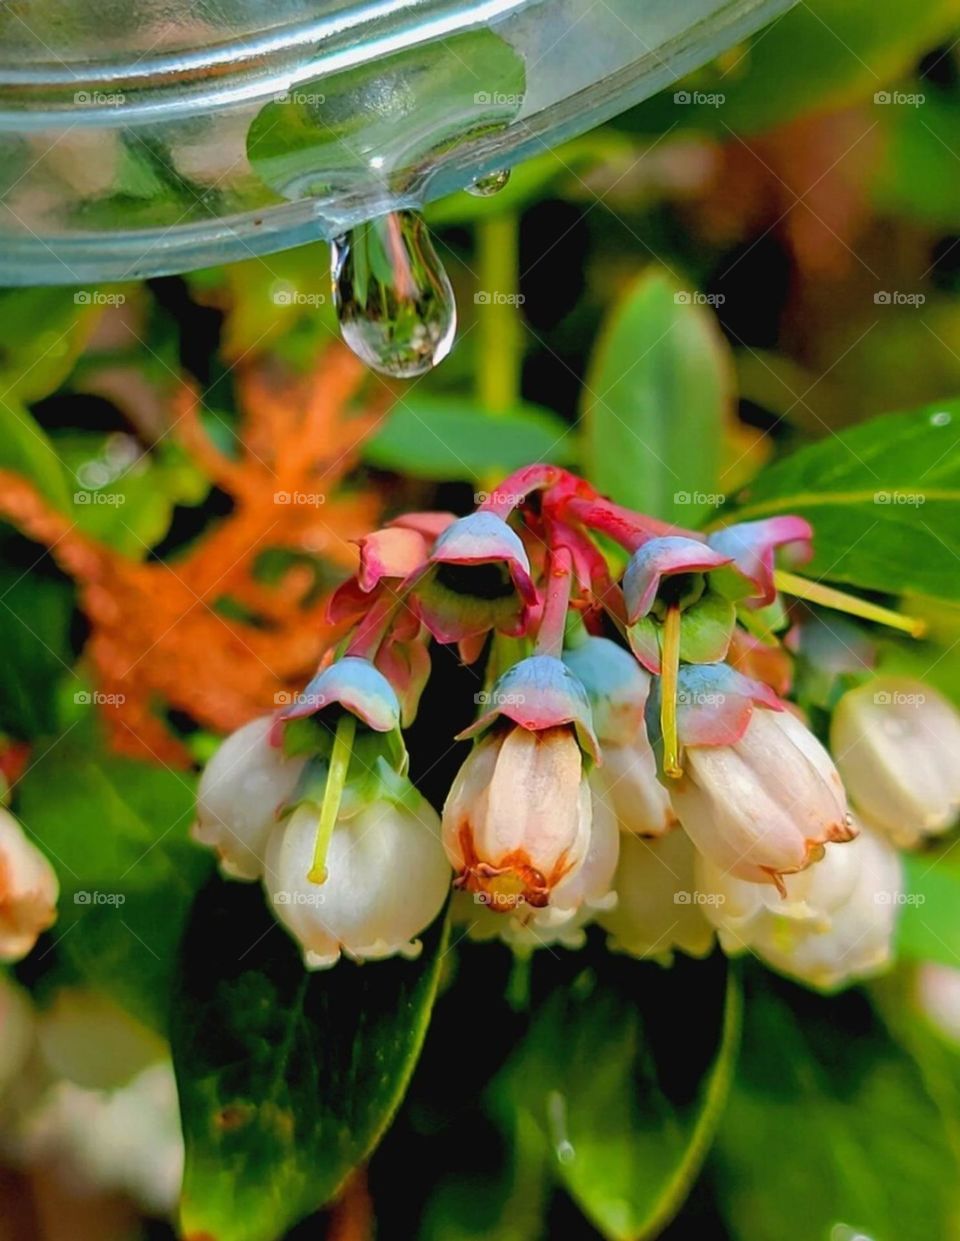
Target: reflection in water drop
[492,183]
[394,301]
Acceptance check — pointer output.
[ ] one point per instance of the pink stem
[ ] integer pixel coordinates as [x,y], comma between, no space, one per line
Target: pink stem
[556,602]
[631,530]
[514,490]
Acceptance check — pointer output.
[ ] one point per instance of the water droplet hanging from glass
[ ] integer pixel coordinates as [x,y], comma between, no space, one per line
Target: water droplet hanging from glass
[393,298]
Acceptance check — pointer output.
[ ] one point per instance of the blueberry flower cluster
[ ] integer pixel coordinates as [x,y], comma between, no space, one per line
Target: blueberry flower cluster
[637,762]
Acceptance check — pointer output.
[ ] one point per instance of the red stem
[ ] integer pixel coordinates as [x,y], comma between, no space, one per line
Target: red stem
[631,530]
[556,602]
[514,489]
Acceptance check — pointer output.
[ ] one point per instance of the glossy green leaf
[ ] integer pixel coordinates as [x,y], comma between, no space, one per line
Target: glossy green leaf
[820,55]
[830,1131]
[625,1072]
[287,1079]
[883,499]
[657,392]
[449,437]
[116,833]
[321,136]
[35,613]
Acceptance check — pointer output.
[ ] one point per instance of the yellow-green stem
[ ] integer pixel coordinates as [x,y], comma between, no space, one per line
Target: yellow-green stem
[332,794]
[840,601]
[499,331]
[669,673]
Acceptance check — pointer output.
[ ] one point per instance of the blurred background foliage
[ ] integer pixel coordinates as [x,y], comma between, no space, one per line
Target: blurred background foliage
[693,302]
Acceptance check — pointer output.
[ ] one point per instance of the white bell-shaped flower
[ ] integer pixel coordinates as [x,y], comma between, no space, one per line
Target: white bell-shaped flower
[244,786]
[387,879]
[896,742]
[517,820]
[659,908]
[28,890]
[575,902]
[627,782]
[764,806]
[834,924]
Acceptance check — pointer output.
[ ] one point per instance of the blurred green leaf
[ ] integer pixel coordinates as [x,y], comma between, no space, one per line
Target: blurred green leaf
[321,136]
[267,298]
[625,1073]
[449,437]
[883,499]
[920,160]
[655,401]
[819,56]
[35,613]
[123,498]
[287,1079]
[116,832]
[928,928]
[42,332]
[561,168]
[474,1202]
[829,1125]
[25,448]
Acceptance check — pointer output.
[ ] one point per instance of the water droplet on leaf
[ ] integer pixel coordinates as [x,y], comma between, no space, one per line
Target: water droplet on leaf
[394,301]
[941,419]
[492,183]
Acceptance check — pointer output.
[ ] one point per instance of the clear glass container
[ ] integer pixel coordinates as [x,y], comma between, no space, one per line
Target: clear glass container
[139,137]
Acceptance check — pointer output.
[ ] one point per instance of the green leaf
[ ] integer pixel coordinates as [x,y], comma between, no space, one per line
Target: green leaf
[287,1079]
[882,498]
[483,1193]
[820,56]
[42,332]
[452,438]
[321,137]
[127,504]
[919,160]
[35,613]
[657,392]
[625,1073]
[116,832]
[25,448]
[928,928]
[829,1124]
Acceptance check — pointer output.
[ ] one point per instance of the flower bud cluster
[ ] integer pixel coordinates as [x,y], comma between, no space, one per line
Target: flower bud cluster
[637,763]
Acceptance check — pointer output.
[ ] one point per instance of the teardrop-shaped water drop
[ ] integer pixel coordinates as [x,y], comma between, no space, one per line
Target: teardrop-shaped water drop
[492,183]
[394,301]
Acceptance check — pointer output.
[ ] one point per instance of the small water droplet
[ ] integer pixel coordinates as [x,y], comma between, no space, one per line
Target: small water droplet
[394,301]
[557,1125]
[941,418]
[492,183]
